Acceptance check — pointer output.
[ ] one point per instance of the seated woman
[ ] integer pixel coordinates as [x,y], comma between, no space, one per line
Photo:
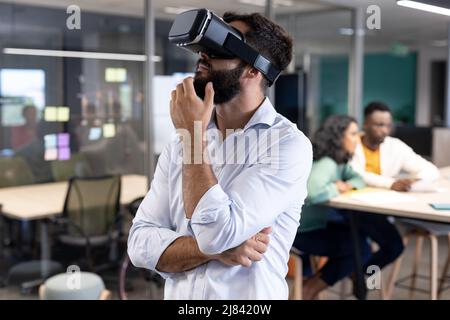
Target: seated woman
[325,231]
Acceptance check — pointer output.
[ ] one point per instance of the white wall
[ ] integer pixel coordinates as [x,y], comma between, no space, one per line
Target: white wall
[441,138]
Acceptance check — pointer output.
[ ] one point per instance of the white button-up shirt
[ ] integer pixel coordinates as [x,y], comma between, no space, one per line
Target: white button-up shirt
[261,183]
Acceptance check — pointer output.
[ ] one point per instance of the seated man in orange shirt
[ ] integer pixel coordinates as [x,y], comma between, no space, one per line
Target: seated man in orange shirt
[380,158]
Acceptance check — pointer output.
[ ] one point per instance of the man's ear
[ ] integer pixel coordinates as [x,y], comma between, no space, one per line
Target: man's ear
[252,73]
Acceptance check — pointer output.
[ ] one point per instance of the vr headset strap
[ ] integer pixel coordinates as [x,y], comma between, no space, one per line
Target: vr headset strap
[252,57]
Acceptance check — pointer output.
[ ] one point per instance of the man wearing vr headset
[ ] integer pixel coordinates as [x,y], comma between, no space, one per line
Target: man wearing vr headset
[205,225]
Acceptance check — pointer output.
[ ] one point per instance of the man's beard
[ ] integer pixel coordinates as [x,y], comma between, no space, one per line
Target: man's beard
[225,83]
[373,142]
[376,141]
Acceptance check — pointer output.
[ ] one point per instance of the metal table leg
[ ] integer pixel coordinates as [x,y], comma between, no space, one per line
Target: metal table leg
[361,289]
[2,232]
[45,248]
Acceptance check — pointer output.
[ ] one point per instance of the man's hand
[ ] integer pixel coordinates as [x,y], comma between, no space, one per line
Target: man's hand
[403,185]
[343,186]
[249,251]
[186,107]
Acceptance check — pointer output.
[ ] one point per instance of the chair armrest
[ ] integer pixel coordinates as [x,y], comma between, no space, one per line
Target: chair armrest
[66,221]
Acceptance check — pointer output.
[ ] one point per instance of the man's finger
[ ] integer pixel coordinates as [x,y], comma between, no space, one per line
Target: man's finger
[209,95]
[405,185]
[174,96]
[262,237]
[266,230]
[188,86]
[406,181]
[180,91]
[260,247]
[246,262]
[254,255]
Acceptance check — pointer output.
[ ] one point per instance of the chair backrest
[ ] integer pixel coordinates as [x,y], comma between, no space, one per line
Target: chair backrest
[15,172]
[295,273]
[76,166]
[133,206]
[92,204]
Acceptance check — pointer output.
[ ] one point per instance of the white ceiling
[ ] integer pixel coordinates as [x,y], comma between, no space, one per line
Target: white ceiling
[136,7]
[409,26]
[313,32]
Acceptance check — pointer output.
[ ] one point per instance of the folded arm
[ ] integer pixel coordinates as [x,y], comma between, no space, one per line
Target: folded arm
[224,219]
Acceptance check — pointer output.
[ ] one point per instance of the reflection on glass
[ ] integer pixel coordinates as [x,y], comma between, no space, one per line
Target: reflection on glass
[64,114]
[28,84]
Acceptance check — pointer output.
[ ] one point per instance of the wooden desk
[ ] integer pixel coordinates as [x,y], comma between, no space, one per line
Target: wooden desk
[419,208]
[47,200]
[40,201]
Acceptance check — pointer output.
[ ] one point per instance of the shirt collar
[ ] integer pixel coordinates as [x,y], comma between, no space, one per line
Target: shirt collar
[265,114]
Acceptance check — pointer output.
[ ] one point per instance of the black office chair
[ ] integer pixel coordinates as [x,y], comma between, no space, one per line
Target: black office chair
[25,274]
[149,281]
[31,274]
[91,217]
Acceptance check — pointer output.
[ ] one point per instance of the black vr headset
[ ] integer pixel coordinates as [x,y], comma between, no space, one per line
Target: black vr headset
[202,30]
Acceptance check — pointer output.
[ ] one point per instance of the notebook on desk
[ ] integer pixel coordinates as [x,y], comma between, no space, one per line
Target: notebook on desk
[380,197]
[440,206]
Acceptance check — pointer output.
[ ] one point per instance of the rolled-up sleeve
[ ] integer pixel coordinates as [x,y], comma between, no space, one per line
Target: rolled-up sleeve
[151,232]
[225,218]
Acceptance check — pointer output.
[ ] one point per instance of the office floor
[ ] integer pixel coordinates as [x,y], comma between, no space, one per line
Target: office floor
[141,289]
[406,270]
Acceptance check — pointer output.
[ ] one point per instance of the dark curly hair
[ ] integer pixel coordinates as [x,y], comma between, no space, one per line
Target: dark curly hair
[327,141]
[267,37]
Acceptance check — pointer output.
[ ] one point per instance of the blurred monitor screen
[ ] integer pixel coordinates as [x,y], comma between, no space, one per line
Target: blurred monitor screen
[290,98]
[418,138]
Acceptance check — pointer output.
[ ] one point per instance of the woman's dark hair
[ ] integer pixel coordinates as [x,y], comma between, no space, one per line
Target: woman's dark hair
[327,141]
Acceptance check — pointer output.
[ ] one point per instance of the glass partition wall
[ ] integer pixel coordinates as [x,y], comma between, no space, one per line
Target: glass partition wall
[322,47]
[72,99]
